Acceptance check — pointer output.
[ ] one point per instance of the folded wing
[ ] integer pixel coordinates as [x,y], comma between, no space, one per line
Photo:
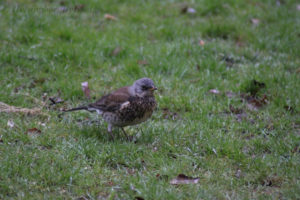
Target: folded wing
[113,101]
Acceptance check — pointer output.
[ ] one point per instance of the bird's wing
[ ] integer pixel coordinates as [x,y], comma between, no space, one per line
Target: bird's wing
[113,101]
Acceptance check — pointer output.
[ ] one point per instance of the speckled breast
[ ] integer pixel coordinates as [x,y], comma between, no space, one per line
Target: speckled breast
[138,111]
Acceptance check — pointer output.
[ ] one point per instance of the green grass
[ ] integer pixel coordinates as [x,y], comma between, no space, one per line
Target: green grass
[253,155]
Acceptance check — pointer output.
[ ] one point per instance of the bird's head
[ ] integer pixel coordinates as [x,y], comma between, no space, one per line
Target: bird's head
[143,87]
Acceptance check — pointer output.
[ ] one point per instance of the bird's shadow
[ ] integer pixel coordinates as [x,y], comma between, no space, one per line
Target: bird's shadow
[97,128]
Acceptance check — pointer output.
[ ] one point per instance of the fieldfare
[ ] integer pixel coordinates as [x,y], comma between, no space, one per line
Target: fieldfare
[126,106]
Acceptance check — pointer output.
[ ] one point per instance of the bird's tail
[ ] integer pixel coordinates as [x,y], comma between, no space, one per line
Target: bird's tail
[78,108]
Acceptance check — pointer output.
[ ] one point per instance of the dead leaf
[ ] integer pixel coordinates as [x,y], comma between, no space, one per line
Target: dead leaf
[10,123]
[79,7]
[201,42]
[255,103]
[86,89]
[116,51]
[183,179]
[214,91]
[33,132]
[143,62]
[255,21]
[110,17]
[185,9]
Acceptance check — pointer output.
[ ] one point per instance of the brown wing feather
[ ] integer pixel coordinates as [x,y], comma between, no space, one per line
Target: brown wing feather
[112,101]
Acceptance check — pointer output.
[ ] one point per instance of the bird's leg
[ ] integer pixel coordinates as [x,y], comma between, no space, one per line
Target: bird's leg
[109,129]
[124,133]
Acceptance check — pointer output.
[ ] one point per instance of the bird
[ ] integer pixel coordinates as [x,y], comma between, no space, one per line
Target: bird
[126,106]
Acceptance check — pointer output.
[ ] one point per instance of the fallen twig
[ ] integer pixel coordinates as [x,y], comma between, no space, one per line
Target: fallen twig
[12,109]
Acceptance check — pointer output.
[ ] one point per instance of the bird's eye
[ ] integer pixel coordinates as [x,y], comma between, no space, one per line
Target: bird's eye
[144,87]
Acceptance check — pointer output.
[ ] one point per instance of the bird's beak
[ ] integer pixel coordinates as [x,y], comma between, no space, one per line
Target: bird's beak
[152,89]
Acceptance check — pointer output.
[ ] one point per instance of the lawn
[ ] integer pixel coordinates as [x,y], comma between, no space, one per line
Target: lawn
[228,114]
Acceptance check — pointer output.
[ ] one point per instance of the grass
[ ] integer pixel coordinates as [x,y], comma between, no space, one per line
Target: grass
[240,147]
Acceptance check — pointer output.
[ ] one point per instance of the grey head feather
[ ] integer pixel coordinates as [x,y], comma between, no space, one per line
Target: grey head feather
[142,87]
